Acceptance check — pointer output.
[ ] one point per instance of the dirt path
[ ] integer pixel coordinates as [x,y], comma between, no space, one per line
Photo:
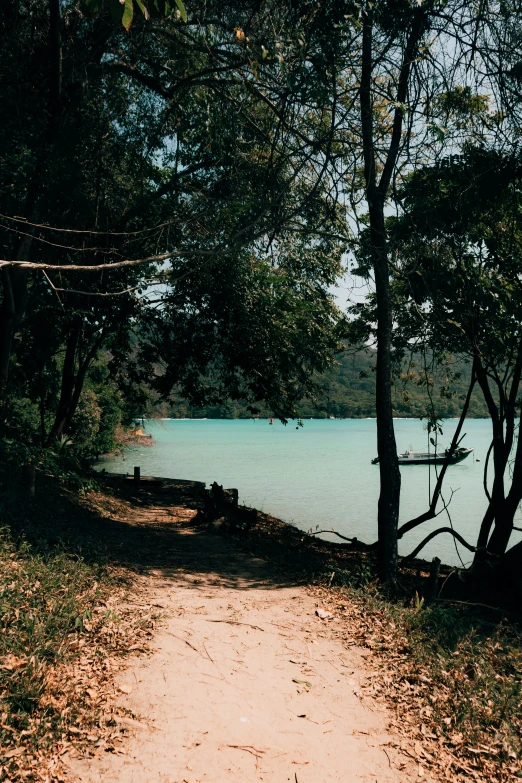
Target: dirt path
[246,682]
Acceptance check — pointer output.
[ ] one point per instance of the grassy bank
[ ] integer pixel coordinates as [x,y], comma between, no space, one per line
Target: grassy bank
[60,640]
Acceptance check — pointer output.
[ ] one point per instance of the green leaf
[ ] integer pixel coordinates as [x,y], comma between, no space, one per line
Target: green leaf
[143,8]
[116,10]
[128,14]
[182,9]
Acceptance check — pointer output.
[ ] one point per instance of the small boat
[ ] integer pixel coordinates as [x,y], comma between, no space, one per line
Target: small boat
[430,458]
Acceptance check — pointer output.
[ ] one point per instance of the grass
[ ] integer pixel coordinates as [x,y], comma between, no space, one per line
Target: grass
[59,638]
[453,680]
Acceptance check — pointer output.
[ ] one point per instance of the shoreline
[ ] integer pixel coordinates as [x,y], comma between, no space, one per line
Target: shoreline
[165,483]
[304,418]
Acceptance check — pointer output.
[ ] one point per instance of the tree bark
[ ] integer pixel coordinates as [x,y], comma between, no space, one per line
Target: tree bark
[14,302]
[504,518]
[72,381]
[502,508]
[68,384]
[390,477]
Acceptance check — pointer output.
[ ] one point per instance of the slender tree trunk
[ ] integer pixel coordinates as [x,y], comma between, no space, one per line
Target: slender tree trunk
[504,520]
[376,194]
[497,509]
[390,477]
[14,303]
[12,311]
[72,382]
[68,384]
[485,529]
[80,381]
[55,58]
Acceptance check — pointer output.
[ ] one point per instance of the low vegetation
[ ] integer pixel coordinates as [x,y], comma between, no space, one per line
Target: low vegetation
[60,640]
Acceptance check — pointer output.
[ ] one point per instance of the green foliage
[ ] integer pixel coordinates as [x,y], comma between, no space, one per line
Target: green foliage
[348,391]
[255,236]
[123,12]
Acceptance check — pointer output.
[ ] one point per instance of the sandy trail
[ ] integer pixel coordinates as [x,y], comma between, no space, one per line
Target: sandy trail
[245,683]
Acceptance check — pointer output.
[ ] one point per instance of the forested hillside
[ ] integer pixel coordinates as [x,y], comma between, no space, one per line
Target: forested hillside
[348,391]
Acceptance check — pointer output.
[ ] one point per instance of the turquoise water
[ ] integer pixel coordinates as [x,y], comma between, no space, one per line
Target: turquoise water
[320,474]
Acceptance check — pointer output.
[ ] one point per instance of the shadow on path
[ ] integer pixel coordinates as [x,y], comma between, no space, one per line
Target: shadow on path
[153,530]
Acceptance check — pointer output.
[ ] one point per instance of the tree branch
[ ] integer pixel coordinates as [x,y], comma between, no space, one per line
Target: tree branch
[354,541]
[436,533]
[431,512]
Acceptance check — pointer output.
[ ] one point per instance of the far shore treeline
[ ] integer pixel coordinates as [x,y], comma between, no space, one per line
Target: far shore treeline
[348,392]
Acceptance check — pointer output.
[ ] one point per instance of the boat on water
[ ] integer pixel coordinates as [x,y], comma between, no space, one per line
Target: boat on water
[411,457]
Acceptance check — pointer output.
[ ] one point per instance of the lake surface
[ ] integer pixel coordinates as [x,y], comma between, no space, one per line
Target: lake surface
[319,475]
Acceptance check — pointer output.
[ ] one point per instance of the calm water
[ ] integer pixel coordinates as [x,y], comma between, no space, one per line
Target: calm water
[320,474]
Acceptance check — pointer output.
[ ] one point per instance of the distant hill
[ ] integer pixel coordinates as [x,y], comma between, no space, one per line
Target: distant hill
[350,389]
[349,392]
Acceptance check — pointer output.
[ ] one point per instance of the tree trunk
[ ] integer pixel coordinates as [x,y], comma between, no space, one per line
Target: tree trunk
[376,194]
[72,381]
[502,508]
[12,311]
[390,477]
[504,519]
[68,385]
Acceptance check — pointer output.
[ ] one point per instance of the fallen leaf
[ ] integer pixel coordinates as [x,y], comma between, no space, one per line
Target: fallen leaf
[323,614]
[124,721]
[302,682]
[125,688]
[12,753]
[12,662]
